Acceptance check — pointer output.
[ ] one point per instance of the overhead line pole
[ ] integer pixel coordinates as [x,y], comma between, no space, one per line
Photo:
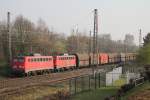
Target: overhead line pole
[9,36]
[93,43]
[90,45]
[90,48]
[95,38]
[96,30]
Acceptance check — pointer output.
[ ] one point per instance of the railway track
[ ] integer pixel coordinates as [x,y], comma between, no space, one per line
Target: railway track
[10,85]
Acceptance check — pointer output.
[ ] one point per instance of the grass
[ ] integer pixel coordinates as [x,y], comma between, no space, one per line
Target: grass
[135,90]
[99,94]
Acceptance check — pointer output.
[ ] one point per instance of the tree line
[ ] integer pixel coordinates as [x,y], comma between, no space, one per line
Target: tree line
[143,57]
[28,37]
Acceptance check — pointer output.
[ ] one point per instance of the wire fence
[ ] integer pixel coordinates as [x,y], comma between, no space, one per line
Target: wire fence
[85,83]
[92,82]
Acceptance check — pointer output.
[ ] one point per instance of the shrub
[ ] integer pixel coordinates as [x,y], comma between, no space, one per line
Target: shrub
[126,87]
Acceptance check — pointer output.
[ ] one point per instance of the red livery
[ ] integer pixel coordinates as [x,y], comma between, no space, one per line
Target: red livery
[103,58]
[64,61]
[32,63]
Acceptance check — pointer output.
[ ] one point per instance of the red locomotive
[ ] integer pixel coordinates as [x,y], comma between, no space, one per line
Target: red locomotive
[30,64]
[103,58]
[64,61]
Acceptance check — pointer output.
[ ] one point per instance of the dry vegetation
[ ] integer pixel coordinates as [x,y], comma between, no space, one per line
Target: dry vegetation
[141,95]
[39,93]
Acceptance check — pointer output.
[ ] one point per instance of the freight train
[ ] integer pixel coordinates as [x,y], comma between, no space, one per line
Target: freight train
[37,64]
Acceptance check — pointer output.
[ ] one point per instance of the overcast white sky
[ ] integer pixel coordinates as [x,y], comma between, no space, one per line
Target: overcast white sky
[117,17]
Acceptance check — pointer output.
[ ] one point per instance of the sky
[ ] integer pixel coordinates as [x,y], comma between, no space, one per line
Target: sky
[116,17]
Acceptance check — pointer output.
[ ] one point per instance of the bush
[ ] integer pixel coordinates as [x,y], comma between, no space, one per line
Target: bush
[126,87]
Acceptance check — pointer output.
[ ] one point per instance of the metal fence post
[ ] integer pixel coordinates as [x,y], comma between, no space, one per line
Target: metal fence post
[70,87]
[82,83]
[95,80]
[99,80]
[89,82]
[112,79]
[75,85]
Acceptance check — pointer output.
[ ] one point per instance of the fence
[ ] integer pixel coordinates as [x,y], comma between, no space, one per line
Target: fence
[85,83]
[139,81]
[91,82]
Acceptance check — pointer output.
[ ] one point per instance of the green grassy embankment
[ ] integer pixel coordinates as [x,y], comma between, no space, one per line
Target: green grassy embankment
[99,94]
